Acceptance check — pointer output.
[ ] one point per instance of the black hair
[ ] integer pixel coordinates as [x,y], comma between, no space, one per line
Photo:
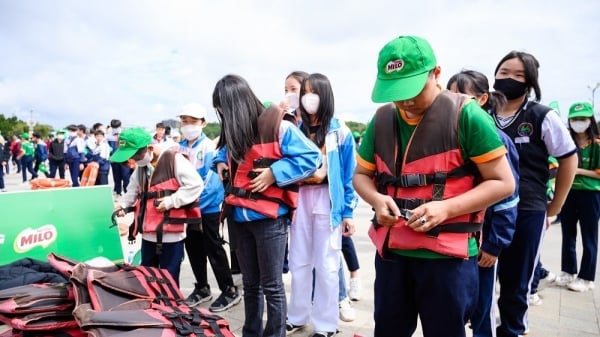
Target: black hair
[72,127]
[477,83]
[321,86]
[82,128]
[531,65]
[238,110]
[98,132]
[115,123]
[96,126]
[36,135]
[160,125]
[298,75]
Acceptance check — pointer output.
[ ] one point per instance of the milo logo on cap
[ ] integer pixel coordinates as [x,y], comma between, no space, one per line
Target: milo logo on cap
[122,143]
[578,107]
[396,65]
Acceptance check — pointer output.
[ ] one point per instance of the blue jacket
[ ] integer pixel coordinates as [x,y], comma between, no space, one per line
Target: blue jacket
[300,160]
[500,219]
[201,154]
[340,148]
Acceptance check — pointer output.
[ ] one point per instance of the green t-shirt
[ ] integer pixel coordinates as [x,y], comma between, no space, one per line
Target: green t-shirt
[588,183]
[27,148]
[478,139]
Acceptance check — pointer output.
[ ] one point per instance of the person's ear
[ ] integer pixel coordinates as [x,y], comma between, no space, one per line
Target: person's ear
[437,71]
[483,99]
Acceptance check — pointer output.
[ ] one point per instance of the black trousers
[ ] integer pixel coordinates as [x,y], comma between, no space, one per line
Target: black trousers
[207,245]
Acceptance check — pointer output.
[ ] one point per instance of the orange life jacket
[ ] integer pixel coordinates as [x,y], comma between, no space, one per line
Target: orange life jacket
[431,169]
[161,184]
[265,151]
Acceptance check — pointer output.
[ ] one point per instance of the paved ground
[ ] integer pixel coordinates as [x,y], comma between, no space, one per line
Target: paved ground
[562,313]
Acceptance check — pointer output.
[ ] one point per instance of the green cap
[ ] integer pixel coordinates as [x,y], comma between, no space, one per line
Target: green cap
[581,109]
[402,69]
[130,141]
[25,135]
[63,131]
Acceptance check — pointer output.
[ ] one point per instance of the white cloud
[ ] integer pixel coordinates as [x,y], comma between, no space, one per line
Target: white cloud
[83,62]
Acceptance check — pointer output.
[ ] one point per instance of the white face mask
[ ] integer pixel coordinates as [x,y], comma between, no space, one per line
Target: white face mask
[580,126]
[72,134]
[310,102]
[147,159]
[292,100]
[191,132]
[60,136]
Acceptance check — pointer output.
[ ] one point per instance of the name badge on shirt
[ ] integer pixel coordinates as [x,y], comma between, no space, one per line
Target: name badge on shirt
[521,140]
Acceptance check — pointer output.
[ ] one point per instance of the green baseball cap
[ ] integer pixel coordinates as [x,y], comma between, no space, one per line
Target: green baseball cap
[25,135]
[130,141]
[402,69]
[581,109]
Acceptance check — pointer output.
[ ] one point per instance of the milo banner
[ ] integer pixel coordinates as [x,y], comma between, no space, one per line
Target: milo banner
[73,222]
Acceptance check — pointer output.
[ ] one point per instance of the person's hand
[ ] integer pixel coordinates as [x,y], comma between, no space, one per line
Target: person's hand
[284,106]
[427,216]
[121,211]
[161,205]
[553,209]
[264,179]
[80,167]
[386,210]
[486,260]
[3,163]
[348,227]
[66,166]
[222,167]
[548,223]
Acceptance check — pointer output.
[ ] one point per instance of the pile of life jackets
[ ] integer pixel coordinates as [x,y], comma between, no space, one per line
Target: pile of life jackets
[116,301]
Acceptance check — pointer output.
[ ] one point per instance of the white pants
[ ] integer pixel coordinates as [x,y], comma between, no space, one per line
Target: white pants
[314,244]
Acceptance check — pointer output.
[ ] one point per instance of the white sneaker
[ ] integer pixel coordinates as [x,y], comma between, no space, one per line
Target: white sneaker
[347,313]
[354,289]
[546,281]
[534,299]
[580,285]
[564,278]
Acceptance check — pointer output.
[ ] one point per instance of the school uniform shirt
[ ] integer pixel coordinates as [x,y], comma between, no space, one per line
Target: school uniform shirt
[590,160]
[200,154]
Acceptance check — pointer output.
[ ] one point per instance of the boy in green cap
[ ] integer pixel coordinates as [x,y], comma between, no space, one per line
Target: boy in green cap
[163,191]
[438,162]
[26,157]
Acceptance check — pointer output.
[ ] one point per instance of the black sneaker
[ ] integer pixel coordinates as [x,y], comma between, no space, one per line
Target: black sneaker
[226,300]
[199,295]
[291,328]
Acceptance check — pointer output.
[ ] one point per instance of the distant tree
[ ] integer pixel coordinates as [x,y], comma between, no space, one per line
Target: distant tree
[43,129]
[356,126]
[12,125]
[212,130]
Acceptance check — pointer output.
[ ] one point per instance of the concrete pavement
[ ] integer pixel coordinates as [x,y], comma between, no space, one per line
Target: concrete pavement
[562,313]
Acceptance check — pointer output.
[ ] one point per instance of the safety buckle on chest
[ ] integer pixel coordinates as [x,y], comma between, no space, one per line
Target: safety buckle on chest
[410,180]
[405,213]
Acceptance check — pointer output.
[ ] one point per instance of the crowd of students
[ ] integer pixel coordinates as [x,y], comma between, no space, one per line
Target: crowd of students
[457,180]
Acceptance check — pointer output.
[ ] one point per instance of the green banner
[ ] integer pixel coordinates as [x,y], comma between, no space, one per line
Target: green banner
[73,222]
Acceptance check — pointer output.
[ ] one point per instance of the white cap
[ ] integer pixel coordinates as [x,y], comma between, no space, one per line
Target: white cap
[193,110]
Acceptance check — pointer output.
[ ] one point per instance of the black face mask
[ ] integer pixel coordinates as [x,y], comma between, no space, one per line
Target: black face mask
[511,88]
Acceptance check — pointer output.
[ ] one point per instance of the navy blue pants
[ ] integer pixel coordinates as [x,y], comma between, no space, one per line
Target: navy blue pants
[74,171]
[516,265]
[349,253]
[169,259]
[483,320]
[442,292]
[583,207]
[121,174]
[27,166]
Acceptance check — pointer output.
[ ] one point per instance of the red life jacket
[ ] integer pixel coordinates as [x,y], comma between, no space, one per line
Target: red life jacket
[432,169]
[265,151]
[161,184]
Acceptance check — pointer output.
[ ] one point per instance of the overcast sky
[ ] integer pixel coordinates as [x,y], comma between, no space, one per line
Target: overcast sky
[65,62]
